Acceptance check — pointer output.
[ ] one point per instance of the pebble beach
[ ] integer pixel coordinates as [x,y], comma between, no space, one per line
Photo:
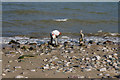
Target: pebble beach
[25,57]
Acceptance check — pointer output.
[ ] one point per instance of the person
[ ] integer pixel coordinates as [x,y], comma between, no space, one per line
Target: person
[81,42]
[54,37]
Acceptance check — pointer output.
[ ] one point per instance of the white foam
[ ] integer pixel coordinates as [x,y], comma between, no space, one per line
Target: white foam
[65,37]
[23,40]
[60,20]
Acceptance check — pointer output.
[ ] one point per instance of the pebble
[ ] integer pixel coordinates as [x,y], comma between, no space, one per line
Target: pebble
[87,69]
[33,70]
[46,67]
[98,57]
[17,67]
[67,64]
[107,74]
[24,73]
[19,76]
[81,76]
[100,74]
[110,56]
[3,74]
[41,53]
[76,66]
[0,60]
[102,69]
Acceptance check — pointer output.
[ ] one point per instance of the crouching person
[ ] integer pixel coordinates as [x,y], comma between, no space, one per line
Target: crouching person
[54,37]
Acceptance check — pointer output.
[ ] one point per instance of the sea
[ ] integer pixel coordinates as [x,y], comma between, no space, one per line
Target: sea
[38,19]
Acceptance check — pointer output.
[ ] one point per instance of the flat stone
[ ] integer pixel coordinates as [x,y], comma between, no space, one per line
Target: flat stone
[102,69]
[100,74]
[33,70]
[107,74]
[76,66]
[87,69]
[0,60]
[3,74]
[81,76]
[17,67]
[98,57]
[19,76]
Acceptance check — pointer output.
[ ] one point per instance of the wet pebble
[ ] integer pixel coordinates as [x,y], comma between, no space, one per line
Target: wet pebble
[19,76]
[102,69]
[17,67]
[76,66]
[33,70]
[100,74]
[3,74]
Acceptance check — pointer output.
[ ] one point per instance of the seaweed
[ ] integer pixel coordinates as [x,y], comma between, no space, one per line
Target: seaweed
[26,56]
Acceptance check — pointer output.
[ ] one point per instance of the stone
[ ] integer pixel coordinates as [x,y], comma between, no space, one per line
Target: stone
[110,56]
[67,64]
[59,62]
[3,74]
[13,42]
[100,74]
[17,67]
[107,74]
[76,66]
[87,58]
[26,77]
[24,73]
[87,69]
[102,69]
[45,60]
[57,71]
[98,57]
[81,76]
[46,67]
[41,53]
[90,42]
[93,59]
[33,70]
[19,76]
[52,67]
[31,48]
[108,61]
[0,60]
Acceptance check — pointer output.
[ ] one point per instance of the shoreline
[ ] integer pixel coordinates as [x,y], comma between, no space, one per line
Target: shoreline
[74,35]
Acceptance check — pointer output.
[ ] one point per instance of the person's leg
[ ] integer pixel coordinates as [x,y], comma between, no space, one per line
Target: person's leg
[56,41]
[51,39]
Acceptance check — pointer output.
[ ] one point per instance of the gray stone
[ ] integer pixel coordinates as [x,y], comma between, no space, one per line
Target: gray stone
[17,67]
[98,57]
[100,74]
[102,69]
[107,74]
[19,76]
[33,70]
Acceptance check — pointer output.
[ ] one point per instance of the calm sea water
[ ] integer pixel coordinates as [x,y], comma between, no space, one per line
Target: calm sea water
[40,18]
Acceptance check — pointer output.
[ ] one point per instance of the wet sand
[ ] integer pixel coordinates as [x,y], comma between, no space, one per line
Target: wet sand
[68,60]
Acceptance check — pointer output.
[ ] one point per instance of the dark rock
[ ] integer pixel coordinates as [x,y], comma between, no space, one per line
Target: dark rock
[98,43]
[23,48]
[90,42]
[33,44]
[76,66]
[107,42]
[13,42]
[117,76]
[31,48]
